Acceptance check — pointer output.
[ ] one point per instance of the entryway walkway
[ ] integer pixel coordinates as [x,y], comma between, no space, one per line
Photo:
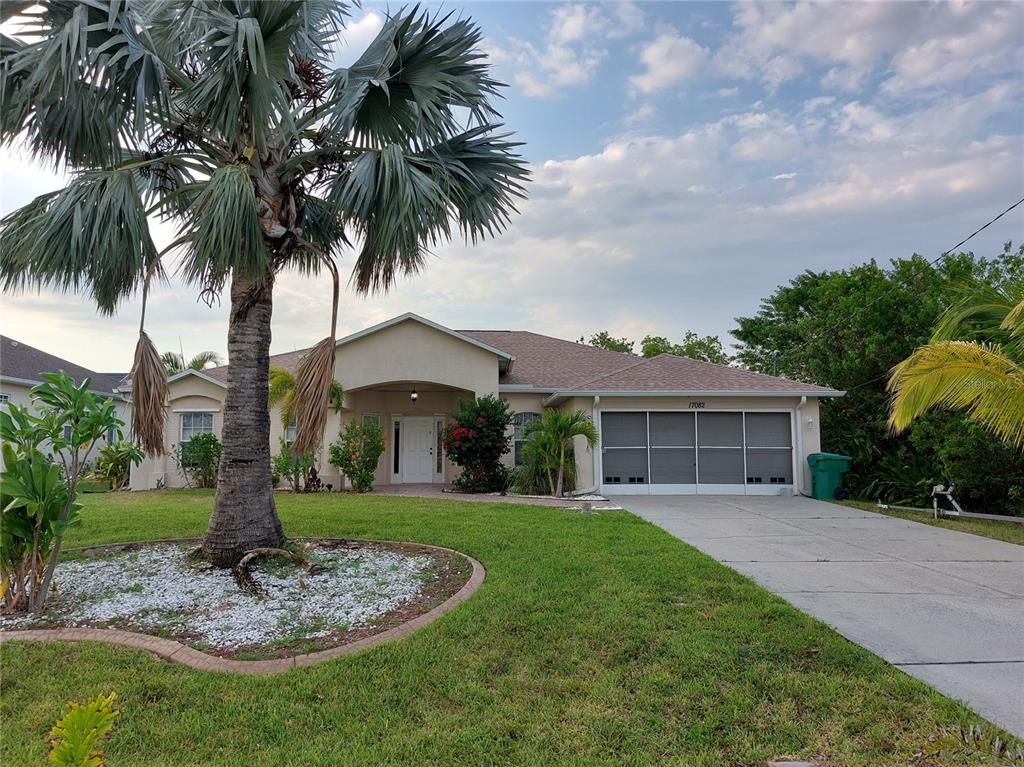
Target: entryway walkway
[944,606]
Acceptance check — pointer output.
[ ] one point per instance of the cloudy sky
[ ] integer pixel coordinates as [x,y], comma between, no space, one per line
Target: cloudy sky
[687,158]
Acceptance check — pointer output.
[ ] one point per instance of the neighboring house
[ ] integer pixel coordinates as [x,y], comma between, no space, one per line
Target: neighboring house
[22,366]
[667,424]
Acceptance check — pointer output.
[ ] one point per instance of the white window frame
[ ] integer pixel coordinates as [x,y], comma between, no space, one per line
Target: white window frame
[518,438]
[193,413]
[5,398]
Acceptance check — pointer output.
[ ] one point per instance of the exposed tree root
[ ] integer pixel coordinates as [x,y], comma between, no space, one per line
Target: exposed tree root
[243,573]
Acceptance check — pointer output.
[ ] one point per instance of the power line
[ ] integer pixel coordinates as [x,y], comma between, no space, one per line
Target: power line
[933,262]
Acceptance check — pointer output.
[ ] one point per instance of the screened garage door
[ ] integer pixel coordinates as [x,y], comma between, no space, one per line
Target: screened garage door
[661,452]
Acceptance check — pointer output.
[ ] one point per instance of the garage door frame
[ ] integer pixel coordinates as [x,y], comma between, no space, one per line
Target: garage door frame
[698,488]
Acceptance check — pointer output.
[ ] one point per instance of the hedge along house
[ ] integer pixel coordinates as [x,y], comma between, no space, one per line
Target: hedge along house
[667,424]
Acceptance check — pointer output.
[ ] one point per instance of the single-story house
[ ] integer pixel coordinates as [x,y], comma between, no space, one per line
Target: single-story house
[667,424]
[22,366]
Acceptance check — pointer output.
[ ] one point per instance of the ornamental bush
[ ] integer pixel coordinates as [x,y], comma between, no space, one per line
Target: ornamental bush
[356,453]
[38,492]
[476,440]
[197,459]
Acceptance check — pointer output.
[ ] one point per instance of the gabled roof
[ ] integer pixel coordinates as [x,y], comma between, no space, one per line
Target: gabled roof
[25,364]
[555,366]
[550,363]
[468,338]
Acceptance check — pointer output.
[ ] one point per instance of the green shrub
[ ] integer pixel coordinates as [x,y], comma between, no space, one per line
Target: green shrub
[477,440]
[75,739]
[198,459]
[37,491]
[357,452]
[114,463]
[290,466]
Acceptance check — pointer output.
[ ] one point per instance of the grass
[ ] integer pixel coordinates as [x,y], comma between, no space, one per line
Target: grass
[1001,531]
[595,640]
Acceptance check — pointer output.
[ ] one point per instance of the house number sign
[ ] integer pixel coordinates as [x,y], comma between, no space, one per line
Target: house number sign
[696,404]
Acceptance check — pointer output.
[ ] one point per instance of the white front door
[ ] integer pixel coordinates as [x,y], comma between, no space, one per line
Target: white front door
[417,450]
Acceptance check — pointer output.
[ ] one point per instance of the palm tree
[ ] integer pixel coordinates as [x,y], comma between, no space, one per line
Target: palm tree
[231,119]
[974,362]
[551,437]
[174,362]
[282,392]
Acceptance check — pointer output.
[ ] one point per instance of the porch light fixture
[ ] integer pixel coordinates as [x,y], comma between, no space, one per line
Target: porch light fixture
[413,395]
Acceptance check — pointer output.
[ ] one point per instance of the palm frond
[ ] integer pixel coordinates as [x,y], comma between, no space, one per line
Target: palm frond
[987,313]
[281,391]
[405,85]
[203,360]
[149,397]
[223,232]
[962,375]
[92,235]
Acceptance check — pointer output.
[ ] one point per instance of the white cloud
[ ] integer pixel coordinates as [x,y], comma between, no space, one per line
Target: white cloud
[668,59]
[641,114]
[356,37]
[784,177]
[922,44]
[574,45]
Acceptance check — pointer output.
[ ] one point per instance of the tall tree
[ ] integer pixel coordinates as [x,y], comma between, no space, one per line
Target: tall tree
[605,340]
[706,348]
[175,362]
[846,329]
[231,119]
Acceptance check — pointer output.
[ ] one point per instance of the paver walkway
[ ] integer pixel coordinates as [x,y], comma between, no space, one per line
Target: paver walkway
[946,607]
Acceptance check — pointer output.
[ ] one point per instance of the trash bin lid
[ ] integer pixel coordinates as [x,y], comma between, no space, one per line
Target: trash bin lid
[816,458]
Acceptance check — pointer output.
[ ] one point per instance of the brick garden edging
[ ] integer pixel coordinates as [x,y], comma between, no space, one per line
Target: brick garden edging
[171,650]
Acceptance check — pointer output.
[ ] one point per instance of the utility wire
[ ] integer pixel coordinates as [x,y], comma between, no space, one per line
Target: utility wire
[933,262]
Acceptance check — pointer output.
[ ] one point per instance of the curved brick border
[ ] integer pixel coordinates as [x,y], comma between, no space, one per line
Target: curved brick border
[169,649]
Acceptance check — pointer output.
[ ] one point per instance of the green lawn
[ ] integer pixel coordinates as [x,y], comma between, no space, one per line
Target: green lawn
[595,639]
[1001,531]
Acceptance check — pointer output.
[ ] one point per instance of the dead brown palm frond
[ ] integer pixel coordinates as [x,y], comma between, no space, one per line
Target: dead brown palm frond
[149,386]
[149,393]
[313,380]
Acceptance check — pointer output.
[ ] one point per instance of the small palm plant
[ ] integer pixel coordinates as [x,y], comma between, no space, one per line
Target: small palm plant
[282,392]
[974,362]
[175,362]
[551,439]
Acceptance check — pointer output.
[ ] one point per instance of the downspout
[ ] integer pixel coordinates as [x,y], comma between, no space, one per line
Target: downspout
[596,487]
[800,447]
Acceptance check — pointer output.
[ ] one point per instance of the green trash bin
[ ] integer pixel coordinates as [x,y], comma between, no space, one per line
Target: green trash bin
[827,471]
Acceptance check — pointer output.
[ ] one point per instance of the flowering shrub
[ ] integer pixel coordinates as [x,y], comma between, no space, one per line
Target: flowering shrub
[476,441]
[357,452]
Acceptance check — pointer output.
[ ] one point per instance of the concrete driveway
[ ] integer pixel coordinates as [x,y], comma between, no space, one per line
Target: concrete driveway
[946,607]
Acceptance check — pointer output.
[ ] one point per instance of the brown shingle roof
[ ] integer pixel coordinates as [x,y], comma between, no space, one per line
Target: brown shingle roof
[19,360]
[667,372]
[551,363]
[288,360]
[554,364]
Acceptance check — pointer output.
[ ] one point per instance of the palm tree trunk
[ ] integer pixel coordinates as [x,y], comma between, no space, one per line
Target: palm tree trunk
[244,516]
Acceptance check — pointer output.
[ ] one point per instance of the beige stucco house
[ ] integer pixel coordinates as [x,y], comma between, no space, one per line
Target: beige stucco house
[667,424]
[22,366]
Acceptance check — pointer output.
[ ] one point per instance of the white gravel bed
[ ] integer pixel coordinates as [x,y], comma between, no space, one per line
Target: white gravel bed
[156,588]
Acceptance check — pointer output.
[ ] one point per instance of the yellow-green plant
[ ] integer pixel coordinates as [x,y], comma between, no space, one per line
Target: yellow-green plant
[75,739]
[551,437]
[973,362]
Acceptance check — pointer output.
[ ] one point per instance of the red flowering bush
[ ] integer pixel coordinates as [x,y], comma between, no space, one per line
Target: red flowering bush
[356,453]
[476,441]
